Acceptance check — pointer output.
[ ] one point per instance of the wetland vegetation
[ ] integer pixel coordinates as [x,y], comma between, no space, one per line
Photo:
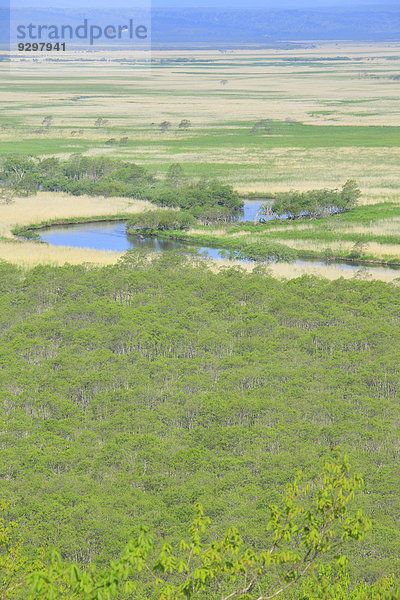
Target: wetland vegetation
[139,387]
[313,224]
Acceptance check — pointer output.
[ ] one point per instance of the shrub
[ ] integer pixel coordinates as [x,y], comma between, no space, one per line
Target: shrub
[315,203]
[161,220]
[109,188]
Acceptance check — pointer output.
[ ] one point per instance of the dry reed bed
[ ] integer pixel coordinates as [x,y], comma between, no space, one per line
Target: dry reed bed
[377,251]
[250,92]
[53,205]
[292,271]
[31,254]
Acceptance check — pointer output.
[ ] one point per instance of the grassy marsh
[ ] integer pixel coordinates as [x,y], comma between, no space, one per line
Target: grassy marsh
[343,126]
[360,235]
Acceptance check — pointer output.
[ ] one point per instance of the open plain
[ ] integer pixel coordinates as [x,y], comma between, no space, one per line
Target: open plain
[262,120]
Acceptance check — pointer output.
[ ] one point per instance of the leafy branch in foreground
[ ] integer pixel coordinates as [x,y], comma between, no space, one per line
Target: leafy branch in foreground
[14,565]
[313,521]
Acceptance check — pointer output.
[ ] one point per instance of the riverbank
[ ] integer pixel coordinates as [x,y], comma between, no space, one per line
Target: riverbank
[22,232]
[30,254]
[196,240]
[49,207]
[233,246]
[367,237]
[112,236]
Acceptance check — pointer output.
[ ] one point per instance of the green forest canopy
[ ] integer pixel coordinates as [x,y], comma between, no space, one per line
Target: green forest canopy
[131,392]
[301,556]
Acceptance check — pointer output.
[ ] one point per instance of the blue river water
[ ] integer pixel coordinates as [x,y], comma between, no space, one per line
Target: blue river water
[112,236]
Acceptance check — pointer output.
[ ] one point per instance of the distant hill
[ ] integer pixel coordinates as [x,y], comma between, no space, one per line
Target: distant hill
[262,26]
[238,26]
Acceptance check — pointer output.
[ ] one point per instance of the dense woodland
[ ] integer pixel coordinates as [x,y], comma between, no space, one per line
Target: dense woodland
[302,555]
[132,392]
[104,176]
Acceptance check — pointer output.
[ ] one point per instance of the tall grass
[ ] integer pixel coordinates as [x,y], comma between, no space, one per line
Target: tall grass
[31,254]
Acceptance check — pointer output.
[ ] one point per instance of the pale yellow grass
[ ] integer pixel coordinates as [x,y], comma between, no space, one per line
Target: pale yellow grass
[31,254]
[193,91]
[222,233]
[378,251]
[381,227]
[52,205]
[251,92]
[217,232]
[331,272]
[375,170]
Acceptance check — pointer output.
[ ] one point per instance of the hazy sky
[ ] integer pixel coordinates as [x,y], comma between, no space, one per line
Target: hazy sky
[203,3]
[269,3]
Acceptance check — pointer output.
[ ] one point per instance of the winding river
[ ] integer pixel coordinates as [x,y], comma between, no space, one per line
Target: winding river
[112,236]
